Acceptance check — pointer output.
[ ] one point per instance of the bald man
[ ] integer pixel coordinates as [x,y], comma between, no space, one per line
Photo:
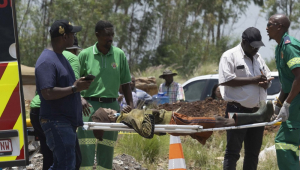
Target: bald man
[287,56]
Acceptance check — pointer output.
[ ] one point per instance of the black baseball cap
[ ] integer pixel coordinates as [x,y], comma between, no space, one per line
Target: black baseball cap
[59,27]
[75,45]
[252,35]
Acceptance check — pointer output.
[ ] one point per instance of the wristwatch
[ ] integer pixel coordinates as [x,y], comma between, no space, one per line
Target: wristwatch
[74,89]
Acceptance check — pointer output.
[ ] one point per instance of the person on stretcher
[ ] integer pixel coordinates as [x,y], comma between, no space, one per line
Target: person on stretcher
[143,121]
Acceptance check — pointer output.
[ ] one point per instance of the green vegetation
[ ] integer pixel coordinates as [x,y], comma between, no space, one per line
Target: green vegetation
[152,33]
[156,71]
[190,34]
[197,156]
[142,149]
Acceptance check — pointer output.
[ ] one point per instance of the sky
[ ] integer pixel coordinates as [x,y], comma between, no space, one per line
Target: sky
[254,18]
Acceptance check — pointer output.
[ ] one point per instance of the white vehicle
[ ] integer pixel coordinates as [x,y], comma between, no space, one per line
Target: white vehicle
[199,88]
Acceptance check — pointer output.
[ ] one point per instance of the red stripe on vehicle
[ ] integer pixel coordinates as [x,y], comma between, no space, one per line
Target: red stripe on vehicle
[21,156]
[12,111]
[2,68]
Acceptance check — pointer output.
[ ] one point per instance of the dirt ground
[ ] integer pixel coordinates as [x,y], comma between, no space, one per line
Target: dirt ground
[205,108]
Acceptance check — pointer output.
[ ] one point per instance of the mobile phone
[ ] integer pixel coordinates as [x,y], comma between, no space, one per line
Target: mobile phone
[89,77]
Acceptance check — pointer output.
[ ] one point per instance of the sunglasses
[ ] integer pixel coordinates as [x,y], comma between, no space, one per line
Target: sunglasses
[269,24]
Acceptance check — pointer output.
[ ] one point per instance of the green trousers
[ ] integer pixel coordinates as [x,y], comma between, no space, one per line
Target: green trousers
[87,142]
[287,148]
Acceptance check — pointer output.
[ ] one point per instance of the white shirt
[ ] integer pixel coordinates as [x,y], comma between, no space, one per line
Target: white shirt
[234,63]
[123,102]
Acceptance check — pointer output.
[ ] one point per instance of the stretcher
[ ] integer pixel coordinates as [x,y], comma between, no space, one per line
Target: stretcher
[169,128]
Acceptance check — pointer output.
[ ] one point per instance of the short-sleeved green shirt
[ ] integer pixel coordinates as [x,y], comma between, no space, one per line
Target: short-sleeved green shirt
[35,102]
[111,70]
[287,55]
[74,62]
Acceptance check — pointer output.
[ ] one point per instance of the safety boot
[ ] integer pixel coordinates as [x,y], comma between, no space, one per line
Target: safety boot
[264,114]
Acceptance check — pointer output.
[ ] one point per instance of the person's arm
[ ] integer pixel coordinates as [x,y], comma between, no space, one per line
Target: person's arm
[227,75]
[265,71]
[125,79]
[75,66]
[279,102]
[74,62]
[180,93]
[60,92]
[127,94]
[291,58]
[82,59]
[160,89]
[241,81]
[295,86]
[134,99]
[282,97]
[147,96]
[82,72]
[284,110]
[56,92]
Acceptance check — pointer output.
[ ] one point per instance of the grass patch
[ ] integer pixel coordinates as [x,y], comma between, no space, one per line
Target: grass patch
[204,69]
[154,152]
[142,149]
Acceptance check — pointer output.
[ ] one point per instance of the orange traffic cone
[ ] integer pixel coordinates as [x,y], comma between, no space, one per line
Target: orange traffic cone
[176,158]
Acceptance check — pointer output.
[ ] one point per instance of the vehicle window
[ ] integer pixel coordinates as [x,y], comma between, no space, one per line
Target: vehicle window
[193,90]
[209,87]
[275,87]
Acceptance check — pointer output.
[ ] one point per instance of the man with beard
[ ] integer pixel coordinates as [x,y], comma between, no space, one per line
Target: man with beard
[287,55]
[110,67]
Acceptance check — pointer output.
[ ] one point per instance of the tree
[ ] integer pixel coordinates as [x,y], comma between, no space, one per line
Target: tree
[291,8]
[150,32]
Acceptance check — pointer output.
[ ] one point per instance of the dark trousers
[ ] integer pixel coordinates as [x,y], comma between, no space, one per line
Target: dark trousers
[252,138]
[45,150]
[62,140]
[47,153]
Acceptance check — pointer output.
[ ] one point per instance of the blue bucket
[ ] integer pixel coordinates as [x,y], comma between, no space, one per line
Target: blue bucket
[160,98]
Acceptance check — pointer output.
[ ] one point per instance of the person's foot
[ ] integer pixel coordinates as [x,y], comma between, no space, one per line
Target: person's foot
[264,114]
[224,122]
[266,111]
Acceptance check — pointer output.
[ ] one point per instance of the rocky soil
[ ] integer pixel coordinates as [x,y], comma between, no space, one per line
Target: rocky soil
[205,108]
[120,162]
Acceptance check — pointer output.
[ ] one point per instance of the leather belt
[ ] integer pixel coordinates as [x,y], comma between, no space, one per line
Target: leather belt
[238,105]
[35,109]
[101,99]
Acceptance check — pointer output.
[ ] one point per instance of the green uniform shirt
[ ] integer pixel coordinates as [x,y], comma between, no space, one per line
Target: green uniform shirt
[111,70]
[74,62]
[35,102]
[287,55]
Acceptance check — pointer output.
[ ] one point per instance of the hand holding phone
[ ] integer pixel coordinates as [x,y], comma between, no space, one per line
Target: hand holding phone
[89,77]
